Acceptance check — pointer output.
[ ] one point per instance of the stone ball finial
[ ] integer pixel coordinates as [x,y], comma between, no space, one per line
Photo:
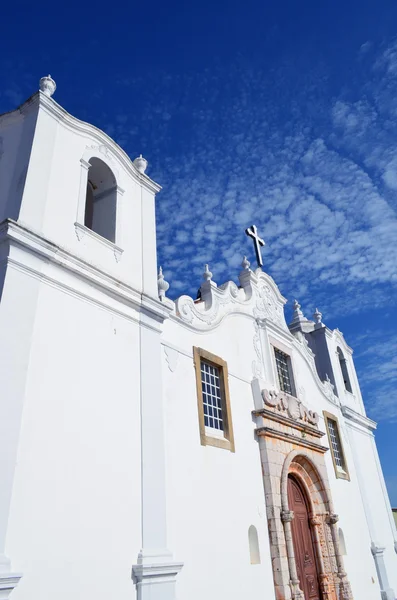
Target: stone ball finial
[245,264]
[141,163]
[162,285]
[207,275]
[47,85]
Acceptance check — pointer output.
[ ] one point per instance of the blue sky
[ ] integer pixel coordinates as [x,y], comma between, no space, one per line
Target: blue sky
[279,113]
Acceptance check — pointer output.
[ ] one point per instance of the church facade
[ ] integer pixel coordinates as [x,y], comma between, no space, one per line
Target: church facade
[164,450]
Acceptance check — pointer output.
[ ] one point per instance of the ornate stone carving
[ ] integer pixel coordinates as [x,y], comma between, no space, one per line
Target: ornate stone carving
[257,365]
[267,306]
[293,406]
[287,516]
[257,296]
[315,520]
[333,518]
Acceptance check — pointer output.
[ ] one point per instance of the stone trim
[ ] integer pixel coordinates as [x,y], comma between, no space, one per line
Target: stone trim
[264,412]
[8,581]
[338,474]
[289,437]
[227,443]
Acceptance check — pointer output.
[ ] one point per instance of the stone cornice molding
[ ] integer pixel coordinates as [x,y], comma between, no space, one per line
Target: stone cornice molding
[8,581]
[300,426]
[144,574]
[258,297]
[291,438]
[150,309]
[354,416]
[52,108]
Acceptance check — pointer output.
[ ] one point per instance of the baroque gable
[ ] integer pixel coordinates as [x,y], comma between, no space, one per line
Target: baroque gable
[257,296]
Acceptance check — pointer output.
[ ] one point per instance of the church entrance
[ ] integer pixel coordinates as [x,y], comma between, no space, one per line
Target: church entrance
[304,551]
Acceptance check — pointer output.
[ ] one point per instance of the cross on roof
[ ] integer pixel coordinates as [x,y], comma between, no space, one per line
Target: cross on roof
[252,232]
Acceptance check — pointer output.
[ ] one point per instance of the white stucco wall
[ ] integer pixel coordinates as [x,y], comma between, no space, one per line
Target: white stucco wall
[75,516]
[214,495]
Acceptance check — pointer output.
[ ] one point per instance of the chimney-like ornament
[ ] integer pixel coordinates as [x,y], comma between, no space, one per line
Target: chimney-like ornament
[47,85]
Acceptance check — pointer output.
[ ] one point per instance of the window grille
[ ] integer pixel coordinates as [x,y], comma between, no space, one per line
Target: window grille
[212,396]
[213,400]
[283,372]
[335,443]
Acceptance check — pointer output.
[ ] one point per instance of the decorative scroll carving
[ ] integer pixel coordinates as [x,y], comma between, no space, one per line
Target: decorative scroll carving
[258,296]
[291,405]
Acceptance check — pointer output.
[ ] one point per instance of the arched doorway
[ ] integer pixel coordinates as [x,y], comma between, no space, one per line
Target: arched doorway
[304,550]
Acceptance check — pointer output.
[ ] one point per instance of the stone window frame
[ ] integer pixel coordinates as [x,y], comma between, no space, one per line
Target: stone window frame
[344,473]
[227,441]
[276,345]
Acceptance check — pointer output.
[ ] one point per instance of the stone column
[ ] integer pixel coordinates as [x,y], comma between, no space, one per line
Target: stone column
[155,572]
[325,584]
[345,592]
[386,591]
[286,517]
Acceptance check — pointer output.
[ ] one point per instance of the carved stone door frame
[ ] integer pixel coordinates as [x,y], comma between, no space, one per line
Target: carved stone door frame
[332,576]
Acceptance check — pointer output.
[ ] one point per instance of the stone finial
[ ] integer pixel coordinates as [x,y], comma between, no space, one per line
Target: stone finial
[162,284]
[245,264]
[298,314]
[47,85]
[207,275]
[299,321]
[141,163]
[317,316]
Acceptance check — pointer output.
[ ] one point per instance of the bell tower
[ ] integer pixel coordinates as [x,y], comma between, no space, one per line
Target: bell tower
[81,315]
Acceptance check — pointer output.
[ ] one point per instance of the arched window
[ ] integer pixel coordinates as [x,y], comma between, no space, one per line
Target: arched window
[345,372]
[101,200]
[342,544]
[255,556]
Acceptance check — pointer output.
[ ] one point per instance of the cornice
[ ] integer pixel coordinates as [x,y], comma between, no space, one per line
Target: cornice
[354,416]
[19,235]
[52,108]
[8,582]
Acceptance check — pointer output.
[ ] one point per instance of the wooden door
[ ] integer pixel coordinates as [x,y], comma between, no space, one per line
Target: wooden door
[305,556]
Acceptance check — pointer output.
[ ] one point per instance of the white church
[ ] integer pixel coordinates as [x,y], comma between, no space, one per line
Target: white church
[200,449]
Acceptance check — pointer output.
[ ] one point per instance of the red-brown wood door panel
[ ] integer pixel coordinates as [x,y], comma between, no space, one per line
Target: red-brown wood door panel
[303,543]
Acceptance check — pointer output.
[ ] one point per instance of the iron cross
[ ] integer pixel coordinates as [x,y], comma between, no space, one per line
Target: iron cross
[252,232]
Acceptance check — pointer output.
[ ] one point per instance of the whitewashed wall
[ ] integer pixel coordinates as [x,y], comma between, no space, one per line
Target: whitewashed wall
[74,527]
[214,495]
